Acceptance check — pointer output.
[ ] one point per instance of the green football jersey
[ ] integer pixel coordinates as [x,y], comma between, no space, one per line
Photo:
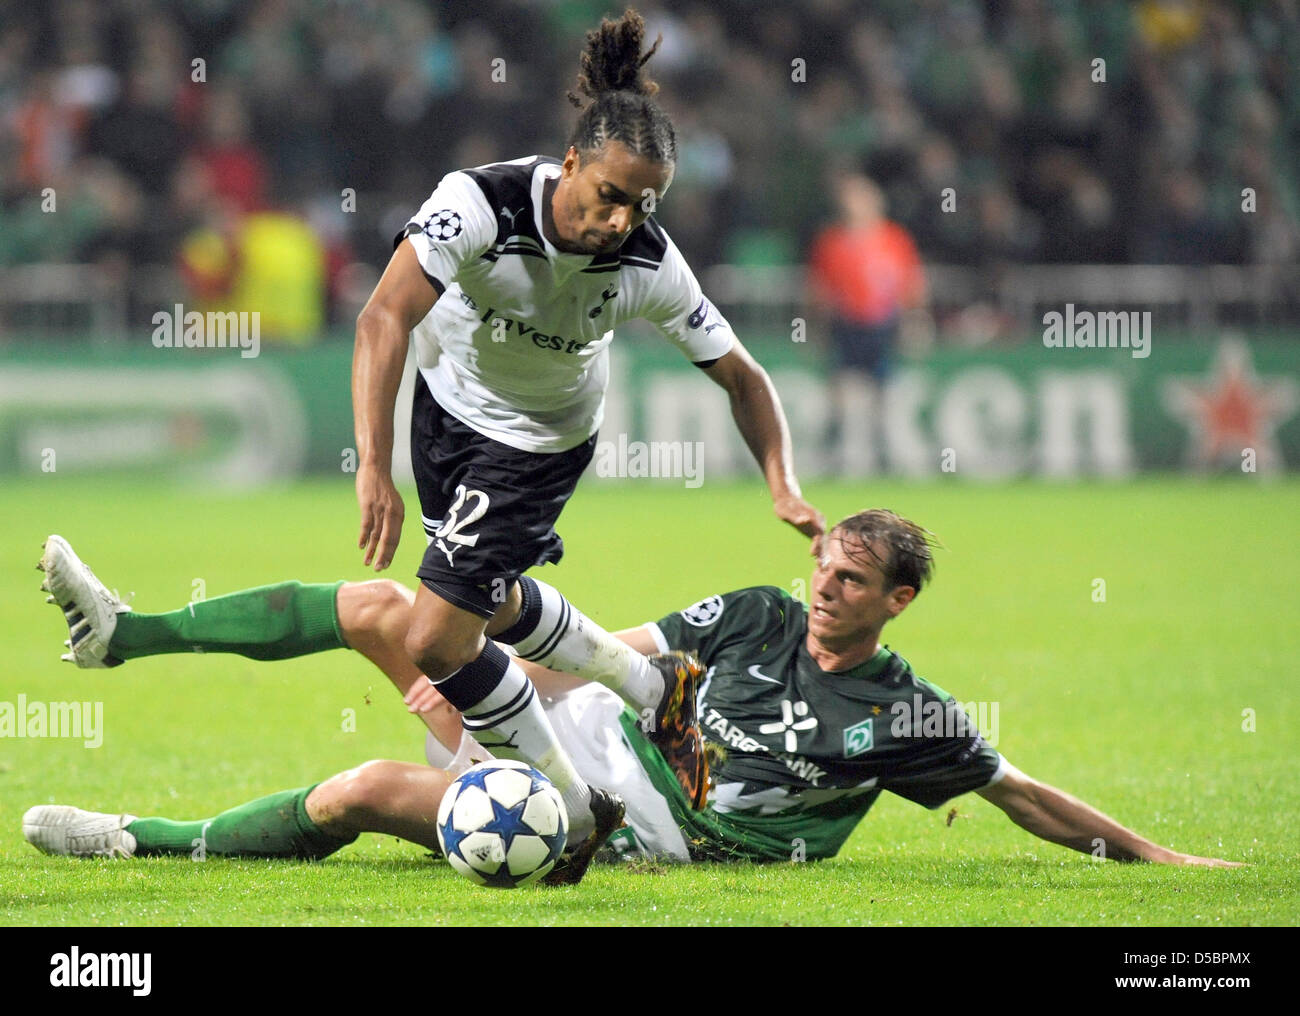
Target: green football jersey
[809,751]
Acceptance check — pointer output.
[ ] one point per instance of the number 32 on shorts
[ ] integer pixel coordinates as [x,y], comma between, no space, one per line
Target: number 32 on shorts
[450,530]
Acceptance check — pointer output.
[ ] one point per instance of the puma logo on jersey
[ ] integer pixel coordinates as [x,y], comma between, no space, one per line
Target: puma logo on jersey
[506,213]
[507,743]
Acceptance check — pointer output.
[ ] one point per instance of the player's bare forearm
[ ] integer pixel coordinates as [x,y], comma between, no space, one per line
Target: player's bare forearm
[756,408]
[1052,814]
[378,360]
[402,299]
[377,364]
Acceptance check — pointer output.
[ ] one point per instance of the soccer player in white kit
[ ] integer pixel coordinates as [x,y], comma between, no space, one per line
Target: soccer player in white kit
[510,280]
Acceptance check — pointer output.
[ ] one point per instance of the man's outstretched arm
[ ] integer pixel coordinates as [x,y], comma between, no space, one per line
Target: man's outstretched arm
[757,410]
[402,299]
[1054,815]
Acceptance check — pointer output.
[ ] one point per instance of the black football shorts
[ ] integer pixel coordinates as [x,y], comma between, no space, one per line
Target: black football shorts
[489,510]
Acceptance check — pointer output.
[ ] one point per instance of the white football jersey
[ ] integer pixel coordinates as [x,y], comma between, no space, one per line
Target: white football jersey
[517,345]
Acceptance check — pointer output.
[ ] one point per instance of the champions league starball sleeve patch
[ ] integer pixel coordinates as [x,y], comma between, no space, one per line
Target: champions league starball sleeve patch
[704,613]
[452,227]
[702,627]
[443,225]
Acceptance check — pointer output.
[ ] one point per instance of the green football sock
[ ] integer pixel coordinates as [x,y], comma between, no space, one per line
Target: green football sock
[266,623]
[273,826]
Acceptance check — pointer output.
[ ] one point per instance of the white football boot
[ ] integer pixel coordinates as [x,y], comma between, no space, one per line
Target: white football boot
[62,829]
[89,608]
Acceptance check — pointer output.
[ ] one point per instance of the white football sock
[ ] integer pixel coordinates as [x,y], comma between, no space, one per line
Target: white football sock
[469,753]
[555,634]
[499,705]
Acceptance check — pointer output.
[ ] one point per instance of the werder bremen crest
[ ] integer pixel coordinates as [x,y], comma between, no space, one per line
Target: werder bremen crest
[858,738]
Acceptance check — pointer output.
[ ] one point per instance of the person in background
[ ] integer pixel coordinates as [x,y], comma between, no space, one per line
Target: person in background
[865,276]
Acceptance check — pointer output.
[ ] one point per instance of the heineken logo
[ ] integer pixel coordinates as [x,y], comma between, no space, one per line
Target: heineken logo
[858,738]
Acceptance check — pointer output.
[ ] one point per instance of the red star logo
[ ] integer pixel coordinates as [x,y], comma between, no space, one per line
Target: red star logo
[1233,417]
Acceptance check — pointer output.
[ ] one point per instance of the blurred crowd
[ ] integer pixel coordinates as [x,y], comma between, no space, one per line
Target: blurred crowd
[223,138]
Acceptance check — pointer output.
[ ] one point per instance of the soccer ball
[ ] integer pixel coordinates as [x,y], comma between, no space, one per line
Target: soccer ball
[502,824]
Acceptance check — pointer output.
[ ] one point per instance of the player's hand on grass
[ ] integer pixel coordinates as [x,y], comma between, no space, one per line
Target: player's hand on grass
[1165,855]
[1202,862]
[804,517]
[382,512]
[422,696]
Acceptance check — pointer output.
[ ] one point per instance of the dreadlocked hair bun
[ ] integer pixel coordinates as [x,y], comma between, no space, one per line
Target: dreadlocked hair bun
[612,60]
[619,106]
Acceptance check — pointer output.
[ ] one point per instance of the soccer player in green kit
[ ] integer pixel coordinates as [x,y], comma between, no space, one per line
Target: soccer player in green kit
[803,701]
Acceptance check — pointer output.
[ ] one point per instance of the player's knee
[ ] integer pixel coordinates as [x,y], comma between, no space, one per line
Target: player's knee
[507,614]
[439,652]
[377,609]
[354,793]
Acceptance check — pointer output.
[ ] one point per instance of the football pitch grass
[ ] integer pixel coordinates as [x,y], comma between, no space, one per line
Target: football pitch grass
[1139,642]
